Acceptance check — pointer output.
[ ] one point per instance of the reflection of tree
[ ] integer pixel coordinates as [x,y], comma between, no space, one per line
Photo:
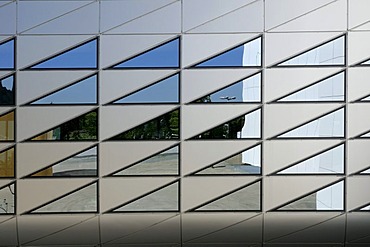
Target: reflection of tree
[81,128]
[163,127]
[227,130]
[6,95]
[7,163]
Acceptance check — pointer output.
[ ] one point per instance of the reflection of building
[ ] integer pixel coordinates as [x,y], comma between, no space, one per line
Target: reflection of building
[154,122]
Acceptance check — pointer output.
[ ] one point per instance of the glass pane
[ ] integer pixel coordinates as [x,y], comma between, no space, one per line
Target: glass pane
[7,91]
[245,199]
[82,201]
[329,162]
[366,99]
[247,162]
[244,127]
[164,163]
[331,125]
[83,92]
[7,202]
[7,127]
[246,55]
[164,91]
[78,129]
[81,165]
[80,57]
[247,90]
[163,56]
[163,127]
[329,198]
[330,89]
[366,208]
[367,171]
[165,199]
[331,53]
[366,135]
[7,55]
[366,62]
[7,163]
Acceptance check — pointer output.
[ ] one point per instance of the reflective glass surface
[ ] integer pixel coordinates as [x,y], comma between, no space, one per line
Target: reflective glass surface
[162,127]
[81,57]
[80,128]
[247,90]
[164,163]
[81,165]
[366,62]
[7,55]
[366,171]
[165,199]
[247,162]
[7,127]
[366,135]
[244,127]
[245,199]
[164,91]
[81,201]
[330,89]
[366,99]
[7,200]
[329,198]
[246,55]
[331,53]
[164,56]
[7,91]
[7,163]
[331,125]
[83,92]
[366,208]
[329,162]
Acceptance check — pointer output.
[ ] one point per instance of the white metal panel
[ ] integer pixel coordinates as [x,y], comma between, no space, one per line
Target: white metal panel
[248,18]
[358,85]
[117,83]
[8,231]
[283,117]
[199,118]
[32,157]
[116,119]
[4,110]
[32,193]
[356,192]
[117,155]
[116,48]
[360,119]
[197,83]
[281,46]
[33,84]
[357,12]
[200,47]
[116,13]
[8,18]
[331,17]
[357,155]
[163,20]
[357,229]
[199,154]
[356,40]
[84,20]
[32,49]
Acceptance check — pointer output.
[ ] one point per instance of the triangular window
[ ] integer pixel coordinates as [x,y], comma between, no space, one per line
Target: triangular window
[327,126]
[166,126]
[7,91]
[164,199]
[244,127]
[246,90]
[161,164]
[330,198]
[328,162]
[81,92]
[329,89]
[364,63]
[7,126]
[366,99]
[330,53]
[7,57]
[367,171]
[248,54]
[163,91]
[243,163]
[7,199]
[366,135]
[7,163]
[166,55]
[82,164]
[365,208]
[247,198]
[82,128]
[82,200]
[83,56]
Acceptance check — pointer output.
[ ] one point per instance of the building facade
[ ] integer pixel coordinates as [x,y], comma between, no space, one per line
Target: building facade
[184,123]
